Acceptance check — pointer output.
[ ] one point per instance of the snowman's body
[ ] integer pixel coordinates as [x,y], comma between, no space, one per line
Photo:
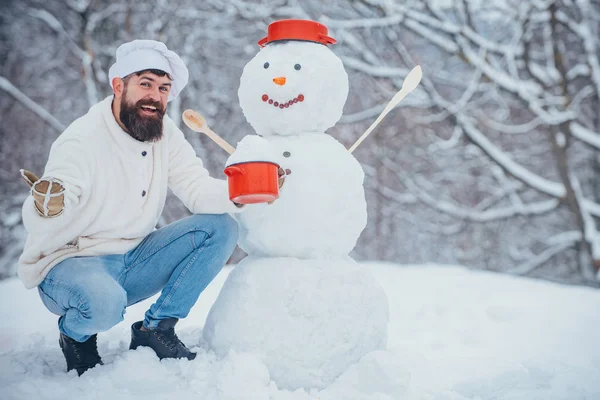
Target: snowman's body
[321,210]
[299,300]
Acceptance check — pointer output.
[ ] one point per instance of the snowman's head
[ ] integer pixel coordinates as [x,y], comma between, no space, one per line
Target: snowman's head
[293,87]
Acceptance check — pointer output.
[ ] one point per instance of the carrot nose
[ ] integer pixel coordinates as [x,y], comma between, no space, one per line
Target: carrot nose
[280,80]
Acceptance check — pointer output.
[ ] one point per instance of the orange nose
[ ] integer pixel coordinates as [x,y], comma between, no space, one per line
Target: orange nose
[279,81]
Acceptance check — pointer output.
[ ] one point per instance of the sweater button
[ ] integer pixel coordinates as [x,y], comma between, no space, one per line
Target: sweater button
[144,153]
[143,193]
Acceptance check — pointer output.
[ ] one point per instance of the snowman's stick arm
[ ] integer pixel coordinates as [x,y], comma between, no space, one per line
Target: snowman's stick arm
[197,123]
[219,140]
[410,83]
[385,111]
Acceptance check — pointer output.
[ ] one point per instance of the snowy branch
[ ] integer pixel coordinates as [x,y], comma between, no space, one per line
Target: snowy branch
[85,55]
[443,42]
[32,105]
[391,20]
[535,181]
[510,129]
[57,27]
[589,41]
[540,259]
[372,70]
[585,135]
[462,213]
[591,234]
[362,115]
[524,88]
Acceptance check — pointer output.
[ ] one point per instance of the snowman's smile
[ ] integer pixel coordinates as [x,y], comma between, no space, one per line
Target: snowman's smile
[284,104]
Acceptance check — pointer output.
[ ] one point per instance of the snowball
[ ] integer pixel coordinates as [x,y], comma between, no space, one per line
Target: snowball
[308,320]
[321,210]
[321,80]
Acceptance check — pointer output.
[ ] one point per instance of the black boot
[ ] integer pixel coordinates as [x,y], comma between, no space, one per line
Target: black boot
[162,340]
[80,356]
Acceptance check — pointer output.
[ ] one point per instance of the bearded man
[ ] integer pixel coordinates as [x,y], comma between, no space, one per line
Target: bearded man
[92,248]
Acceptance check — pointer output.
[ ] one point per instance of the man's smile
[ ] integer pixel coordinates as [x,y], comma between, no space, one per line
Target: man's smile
[284,104]
[148,110]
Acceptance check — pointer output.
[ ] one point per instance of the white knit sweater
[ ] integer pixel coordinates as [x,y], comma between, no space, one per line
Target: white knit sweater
[116,188]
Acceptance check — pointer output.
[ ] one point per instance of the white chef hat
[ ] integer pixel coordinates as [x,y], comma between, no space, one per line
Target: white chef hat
[139,55]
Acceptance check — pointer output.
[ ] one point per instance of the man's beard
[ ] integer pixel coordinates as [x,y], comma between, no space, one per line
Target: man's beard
[145,128]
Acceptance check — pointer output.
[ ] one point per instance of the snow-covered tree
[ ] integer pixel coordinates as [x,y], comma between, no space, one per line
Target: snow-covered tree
[504,145]
[494,162]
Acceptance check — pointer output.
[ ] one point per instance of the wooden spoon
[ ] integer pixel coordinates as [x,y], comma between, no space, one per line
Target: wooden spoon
[410,83]
[197,123]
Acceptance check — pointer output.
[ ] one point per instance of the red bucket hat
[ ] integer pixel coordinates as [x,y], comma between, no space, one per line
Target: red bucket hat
[296,29]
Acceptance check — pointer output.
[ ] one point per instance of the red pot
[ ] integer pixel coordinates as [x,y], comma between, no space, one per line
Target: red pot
[296,29]
[253,182]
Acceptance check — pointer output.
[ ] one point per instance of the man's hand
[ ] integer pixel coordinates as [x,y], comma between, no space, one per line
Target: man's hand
[282,174]
[48,194]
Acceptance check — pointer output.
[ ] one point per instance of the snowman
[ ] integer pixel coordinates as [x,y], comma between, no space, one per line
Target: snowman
[298,300]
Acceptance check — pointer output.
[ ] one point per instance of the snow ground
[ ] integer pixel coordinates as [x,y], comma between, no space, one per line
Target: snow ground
[453,334]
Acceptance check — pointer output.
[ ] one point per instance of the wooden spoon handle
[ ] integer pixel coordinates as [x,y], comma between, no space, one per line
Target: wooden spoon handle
[410,83]
[218,140]
[197,123]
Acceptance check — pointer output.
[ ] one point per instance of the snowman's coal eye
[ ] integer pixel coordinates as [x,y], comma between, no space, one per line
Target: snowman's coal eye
[266,65]
[297,67]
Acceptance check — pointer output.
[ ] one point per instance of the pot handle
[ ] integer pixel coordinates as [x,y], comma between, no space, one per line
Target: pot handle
[233,170]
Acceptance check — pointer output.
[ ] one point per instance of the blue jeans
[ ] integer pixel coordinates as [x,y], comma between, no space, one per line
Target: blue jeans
[181,259]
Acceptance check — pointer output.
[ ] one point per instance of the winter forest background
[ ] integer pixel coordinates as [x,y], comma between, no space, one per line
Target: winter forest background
[493,163]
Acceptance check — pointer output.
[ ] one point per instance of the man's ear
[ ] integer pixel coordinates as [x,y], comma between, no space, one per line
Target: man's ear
[118,85]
